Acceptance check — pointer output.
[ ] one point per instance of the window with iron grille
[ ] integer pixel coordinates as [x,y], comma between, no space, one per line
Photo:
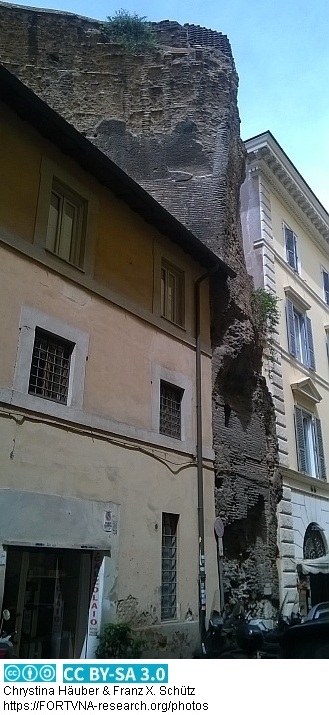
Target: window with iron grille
[170,410]
[169,566]
[50,367]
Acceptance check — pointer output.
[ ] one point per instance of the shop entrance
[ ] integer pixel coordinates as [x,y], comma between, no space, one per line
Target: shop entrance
[47,592]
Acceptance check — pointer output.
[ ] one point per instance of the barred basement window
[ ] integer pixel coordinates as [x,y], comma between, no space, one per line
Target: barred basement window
[50,367]
[170,410]
[169,566]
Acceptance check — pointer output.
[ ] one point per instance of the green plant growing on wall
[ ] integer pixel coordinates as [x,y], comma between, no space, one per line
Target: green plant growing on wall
[118,640]
[131,31]
[266,315]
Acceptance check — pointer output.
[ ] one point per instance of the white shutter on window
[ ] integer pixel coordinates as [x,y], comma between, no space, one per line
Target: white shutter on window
[290,248]
[326,286]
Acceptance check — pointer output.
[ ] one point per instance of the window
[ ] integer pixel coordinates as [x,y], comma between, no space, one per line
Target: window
[291,248]
[310,451]
[51,363]
[170,410]
[300,337]
[66,224]
[326,285]
[172,294]
[169,566]
[50,367]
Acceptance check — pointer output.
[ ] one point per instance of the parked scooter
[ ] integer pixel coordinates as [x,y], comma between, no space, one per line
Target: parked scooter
[240,636]
[6,644]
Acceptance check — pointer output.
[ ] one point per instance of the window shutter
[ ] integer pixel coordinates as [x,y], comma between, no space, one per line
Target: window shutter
[300,440]
[320,451]
[291,328]
[290,248]
[326,286]
[310,345]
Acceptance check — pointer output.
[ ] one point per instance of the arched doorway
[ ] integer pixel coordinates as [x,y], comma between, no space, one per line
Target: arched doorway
[315,546]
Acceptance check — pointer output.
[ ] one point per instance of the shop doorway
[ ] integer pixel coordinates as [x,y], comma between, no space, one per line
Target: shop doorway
[47,592]
[314,587]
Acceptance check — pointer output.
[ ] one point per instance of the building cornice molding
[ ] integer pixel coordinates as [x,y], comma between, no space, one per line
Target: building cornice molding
[306,388]
[266,157]
[303,483]
[34,409]
[90,284]
[291,293]
[293,362]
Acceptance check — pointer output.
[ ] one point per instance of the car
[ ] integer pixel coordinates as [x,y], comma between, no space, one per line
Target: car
[320,610]
[308,640]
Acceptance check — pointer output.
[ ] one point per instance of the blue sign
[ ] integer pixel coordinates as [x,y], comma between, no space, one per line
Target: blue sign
[28,673]
[127,673]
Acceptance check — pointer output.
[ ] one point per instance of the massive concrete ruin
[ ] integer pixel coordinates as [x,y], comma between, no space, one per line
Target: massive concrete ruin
[169,117]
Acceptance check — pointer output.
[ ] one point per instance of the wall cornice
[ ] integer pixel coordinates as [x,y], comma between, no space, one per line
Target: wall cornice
[304,483]
[266,157]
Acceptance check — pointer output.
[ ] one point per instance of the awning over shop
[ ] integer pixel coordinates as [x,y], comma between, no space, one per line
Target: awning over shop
[314,566]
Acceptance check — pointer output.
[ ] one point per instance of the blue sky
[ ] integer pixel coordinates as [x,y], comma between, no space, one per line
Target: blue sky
[281,52]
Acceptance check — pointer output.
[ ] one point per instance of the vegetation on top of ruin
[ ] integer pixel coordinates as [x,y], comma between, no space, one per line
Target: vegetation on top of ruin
[266,315]
[132,31]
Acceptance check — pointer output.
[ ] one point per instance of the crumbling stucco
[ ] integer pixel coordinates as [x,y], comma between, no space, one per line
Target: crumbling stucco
[170,119]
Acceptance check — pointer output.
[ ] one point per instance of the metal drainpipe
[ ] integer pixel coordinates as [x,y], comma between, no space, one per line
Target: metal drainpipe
[199,443]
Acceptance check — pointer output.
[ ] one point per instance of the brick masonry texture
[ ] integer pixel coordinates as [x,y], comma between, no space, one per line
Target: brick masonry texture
[169,118]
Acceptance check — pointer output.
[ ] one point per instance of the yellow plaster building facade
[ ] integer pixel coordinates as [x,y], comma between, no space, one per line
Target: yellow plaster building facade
[103,447]
[286,243]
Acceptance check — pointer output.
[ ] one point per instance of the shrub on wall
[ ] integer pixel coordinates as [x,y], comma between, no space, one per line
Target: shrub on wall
[131,31]
[266,316]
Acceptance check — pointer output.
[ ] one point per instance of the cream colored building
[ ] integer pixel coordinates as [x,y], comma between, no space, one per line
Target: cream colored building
[107,480]
[286,242]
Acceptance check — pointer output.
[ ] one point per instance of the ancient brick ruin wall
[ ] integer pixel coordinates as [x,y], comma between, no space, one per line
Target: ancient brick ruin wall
[169,117]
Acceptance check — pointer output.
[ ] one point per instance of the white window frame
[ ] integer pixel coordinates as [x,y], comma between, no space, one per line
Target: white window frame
[57,243]
[309,443]
[324,281]
[300,336]
[291,255]
[31,319]
[172,308]
[299,330]
[52,176]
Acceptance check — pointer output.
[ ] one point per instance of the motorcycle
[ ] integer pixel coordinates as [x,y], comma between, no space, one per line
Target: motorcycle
[6,644]
[240,636]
